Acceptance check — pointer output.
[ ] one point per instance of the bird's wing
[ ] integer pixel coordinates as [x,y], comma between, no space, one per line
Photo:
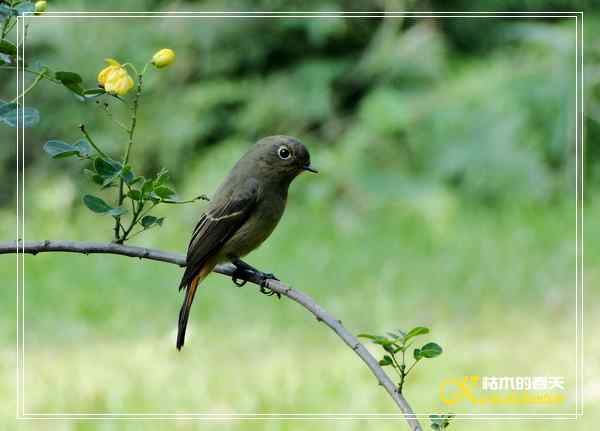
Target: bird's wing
[216,226]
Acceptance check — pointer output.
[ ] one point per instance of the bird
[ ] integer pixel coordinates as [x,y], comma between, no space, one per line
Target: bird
[243,212]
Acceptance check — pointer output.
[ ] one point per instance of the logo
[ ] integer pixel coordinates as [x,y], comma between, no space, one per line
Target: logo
[494,390]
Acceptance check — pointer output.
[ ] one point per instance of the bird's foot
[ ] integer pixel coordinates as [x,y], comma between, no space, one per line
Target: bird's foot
[236,277]
[264,288]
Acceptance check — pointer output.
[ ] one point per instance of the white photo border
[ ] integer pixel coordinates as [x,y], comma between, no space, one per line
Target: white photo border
[21,414]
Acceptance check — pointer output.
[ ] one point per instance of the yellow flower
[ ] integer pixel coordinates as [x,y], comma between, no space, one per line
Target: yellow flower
[40,7]
[163,58]
[115,79]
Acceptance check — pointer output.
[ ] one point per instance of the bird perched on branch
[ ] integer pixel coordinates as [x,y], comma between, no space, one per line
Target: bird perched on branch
[242,214]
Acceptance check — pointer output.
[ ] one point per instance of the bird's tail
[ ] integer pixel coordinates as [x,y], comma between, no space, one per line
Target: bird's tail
[184,313]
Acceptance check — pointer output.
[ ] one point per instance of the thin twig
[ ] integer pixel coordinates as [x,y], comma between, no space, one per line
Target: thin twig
[130,135]
[322,315]
[91,141]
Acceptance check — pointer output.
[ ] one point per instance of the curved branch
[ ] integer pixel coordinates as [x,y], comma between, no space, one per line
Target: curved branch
[322,315]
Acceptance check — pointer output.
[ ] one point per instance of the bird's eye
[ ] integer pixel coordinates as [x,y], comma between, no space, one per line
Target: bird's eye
[284,153]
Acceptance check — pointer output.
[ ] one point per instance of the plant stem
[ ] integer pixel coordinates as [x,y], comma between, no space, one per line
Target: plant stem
[5,28]
[56,81]
[37,79]
[91,141]
[131,132]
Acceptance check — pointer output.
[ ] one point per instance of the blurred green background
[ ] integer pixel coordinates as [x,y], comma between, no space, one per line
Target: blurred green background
[446,198]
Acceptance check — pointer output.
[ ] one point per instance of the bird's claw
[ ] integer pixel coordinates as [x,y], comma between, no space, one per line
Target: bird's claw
[235,277]
[238,282]
[266,290]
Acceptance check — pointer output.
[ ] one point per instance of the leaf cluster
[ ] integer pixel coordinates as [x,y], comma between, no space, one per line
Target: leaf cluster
[396,344]
[440,422]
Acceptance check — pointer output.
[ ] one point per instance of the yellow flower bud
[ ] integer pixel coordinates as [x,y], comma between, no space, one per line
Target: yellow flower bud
[163,58]
[115,79]
[41,7]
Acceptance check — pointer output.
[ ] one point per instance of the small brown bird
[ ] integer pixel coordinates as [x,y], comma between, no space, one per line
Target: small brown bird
[242,214]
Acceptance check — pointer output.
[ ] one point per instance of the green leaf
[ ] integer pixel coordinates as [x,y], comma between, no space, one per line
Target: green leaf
[10,113]
[419,330]
[431,350]
[5,59]
[387,360]
[93,92]
[136,180]
[440,422]
[96,204]
[162,177]
[77,89]
[127,174]
[60,149]
[68,78]
[5,108]
[136,195]
[72,81]
[94,176]
[5,12]
[25,8]
[369,336]
[84,148]
[7,47]
[417,354]
[106,168]
[117,212]
[164,192]
[148,186]
[148,221]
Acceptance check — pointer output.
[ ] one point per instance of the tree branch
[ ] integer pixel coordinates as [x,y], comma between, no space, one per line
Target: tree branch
[35,247]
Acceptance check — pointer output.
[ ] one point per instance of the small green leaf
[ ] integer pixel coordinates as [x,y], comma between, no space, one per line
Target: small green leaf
[417,354]
[117,212]
[5,108]
[106,168]
[5,59]
[419,330]
[94,176]
[431,350]
[369,336]
[60,149]
[136,180]
[136,195]
[127,174]
[162,177]
[25,8]
[7,47]
[164,192]
[84,148]
[96,204]
[148,186]
[93,92]
[148,221]
[387,360]
[72,81]
[11,114]
[5,12]
[68,78]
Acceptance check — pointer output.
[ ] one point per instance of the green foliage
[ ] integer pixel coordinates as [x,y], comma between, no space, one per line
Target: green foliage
[398,343]
[394,103]
[440,422]
[11,113]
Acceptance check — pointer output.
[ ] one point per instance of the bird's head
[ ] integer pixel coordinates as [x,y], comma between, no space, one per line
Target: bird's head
[282,156]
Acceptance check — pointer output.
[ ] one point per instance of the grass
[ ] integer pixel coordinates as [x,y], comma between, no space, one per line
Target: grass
[495,286]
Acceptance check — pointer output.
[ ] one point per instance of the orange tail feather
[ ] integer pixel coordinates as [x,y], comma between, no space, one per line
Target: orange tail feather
[184,312]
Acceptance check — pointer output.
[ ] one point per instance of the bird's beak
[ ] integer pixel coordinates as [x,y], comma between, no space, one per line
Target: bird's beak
[309,168]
